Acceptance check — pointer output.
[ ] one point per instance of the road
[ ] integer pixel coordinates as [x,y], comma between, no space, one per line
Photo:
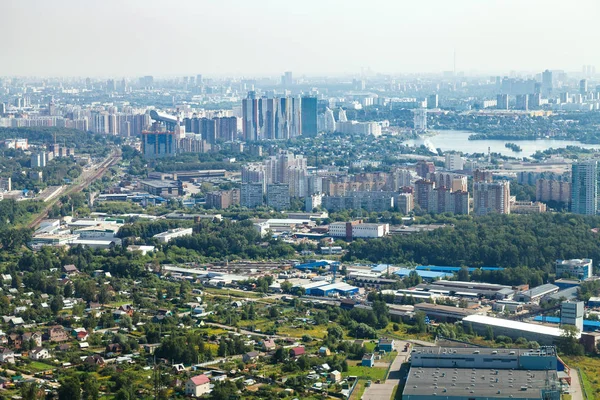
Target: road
[384,390]
[87,177]
[575,390]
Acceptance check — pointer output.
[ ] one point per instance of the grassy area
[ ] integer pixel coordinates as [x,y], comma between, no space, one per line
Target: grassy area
[373,373]
[232,293]
[588,370]
[312,330]
[370,347]
[359,390]
[37,366]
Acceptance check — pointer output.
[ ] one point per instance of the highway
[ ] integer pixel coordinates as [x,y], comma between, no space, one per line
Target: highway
[85,179]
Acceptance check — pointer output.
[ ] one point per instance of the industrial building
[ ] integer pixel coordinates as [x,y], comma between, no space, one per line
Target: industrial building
[162,188]
[543,334]
[483,373]
[446,313]
[578,268]
[165,237]
[357,229]
[537,293]
[425,275]
[337,288]
[468,289]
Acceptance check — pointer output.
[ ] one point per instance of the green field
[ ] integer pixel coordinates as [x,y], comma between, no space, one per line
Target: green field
[366,372]
[588,370]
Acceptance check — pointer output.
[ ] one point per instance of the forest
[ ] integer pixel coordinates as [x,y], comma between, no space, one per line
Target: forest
[534,242]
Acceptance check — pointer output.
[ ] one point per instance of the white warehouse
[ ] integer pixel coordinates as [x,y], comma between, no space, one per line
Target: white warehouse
[165,237]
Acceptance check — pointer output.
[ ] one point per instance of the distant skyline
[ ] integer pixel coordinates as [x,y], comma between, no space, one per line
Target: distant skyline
[308,37]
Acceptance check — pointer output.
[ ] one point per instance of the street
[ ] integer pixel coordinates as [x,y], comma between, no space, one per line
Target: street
[384,390]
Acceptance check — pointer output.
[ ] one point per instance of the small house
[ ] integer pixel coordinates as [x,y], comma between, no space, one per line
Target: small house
[335,376]
[70,269]
[268,345]
[250,357]
[386,345]
[95,359]
[368,360]
[324,351]
[297,351]
[197,386]
[39,353]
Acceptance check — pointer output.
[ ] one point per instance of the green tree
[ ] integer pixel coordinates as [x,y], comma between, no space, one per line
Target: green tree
[57,304]
[70,389]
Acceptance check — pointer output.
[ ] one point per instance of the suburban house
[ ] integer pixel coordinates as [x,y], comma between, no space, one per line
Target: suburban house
[80,334]
[335,376]
[39,353]
[250,357]
[7,356]
[70,269]
[297,351]
[368,360]
[324,351]
[268,345]
[35,336]
[127,309]
[15,341]
[57,334]
[114,348]
[197,386]
[386,345]
[94,359]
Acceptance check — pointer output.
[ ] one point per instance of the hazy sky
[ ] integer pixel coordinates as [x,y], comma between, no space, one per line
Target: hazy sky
[267,37]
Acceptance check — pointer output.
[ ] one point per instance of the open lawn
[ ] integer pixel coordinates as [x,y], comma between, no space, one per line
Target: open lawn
[37,366]
[366,372]
[588,370]
[232,293]
[316,331]
[359,390]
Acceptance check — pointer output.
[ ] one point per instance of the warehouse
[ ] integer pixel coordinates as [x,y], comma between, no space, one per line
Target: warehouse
[338,288]
[537,293]
[468,289]
[445,313]
[425,275]
[543,334]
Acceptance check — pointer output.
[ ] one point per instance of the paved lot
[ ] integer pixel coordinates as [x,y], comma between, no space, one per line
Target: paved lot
[384,390]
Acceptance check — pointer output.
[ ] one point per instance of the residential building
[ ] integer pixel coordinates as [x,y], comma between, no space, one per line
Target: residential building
[552,190]
[386,344]
[432,101]
[5,184]
[278,196]
[584,187]
[223,199]
[158,143]
[368,360]
[576,268]
[454,162]
[491,197]
[309,116]
[57,334]
[251,195]
[404,203]
[527,207]
[420,119]
[197,386]
[38,160]
[39,353]
[502,102]
[171,234]
[424,168]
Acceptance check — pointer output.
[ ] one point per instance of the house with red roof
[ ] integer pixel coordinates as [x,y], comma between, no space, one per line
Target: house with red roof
[297,351]
[197,386]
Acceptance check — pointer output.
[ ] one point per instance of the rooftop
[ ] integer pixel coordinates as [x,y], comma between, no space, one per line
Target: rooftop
[516,325]
[475,383]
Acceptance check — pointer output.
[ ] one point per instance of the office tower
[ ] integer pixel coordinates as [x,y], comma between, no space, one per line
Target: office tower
[583,87]
[491,197]
[571,313]
[424,168]
[342,115]
[522,102]
[584,187]
[278,196]
[423,188]
[251,194]
[420,119]
[454,162]
[309,116]
[250,119]
[199,81]
[329,120]
[286,79]
[158,142]
[502,102]
[432,101]
[38,160]
[547,83]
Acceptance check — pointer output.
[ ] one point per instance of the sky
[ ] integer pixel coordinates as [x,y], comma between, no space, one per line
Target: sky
[102,38]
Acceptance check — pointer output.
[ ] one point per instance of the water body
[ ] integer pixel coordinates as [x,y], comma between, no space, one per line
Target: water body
[459,141]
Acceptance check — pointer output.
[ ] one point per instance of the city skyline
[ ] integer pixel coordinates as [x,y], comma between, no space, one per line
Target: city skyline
[148,38]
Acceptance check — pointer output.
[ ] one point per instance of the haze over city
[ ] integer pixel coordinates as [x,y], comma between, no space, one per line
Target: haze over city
[310,37]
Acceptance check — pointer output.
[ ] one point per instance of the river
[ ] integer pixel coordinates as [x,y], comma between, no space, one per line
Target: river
[459,141]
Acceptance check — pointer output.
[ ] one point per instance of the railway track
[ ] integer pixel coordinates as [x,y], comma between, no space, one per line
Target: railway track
[97,174]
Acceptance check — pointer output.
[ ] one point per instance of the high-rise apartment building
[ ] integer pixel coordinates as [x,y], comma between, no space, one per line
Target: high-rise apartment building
[423,188]
[454,162]
[158,143]
[329,121]
[522,102]
[278,196]
[420,119]
[491,197]
[547,82]
[502,101]
[583,87]
[432,101]
[584,187]
[223,199]
[552,190]
[251,194]
[272,118]
[38,160]
[424,168]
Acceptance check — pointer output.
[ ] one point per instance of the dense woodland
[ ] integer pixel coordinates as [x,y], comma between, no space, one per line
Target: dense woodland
[534,242]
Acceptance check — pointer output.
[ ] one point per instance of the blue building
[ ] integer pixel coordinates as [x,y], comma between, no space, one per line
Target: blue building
[368,360]
[386,345]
